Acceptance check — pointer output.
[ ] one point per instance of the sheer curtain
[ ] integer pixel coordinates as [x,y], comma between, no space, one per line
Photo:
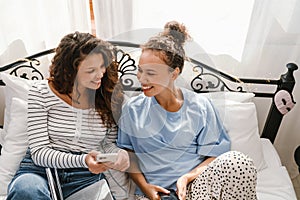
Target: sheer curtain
[245,38]
[112,17]
[273,40]
[33,25]
[30,26]
[205,20]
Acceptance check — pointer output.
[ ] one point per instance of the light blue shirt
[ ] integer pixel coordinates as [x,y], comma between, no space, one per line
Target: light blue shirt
[170,144]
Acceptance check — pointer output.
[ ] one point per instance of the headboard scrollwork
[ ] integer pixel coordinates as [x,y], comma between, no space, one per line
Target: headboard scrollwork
[204,79]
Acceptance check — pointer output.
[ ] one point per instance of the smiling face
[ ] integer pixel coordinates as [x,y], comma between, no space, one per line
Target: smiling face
[153,73]
[90,72]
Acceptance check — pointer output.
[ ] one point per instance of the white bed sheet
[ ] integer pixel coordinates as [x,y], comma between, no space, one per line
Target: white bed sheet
[1,141]
[274,182]
[1,136]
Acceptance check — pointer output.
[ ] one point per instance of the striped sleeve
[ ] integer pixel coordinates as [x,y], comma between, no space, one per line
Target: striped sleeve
[42,153]
[109,143]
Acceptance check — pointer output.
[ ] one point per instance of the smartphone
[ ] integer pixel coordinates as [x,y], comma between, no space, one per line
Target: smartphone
[107,157]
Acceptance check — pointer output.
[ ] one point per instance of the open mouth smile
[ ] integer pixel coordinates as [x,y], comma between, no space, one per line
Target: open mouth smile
[96,82]
[145,88]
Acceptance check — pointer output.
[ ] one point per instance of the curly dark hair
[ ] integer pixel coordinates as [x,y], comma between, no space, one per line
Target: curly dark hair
[71,51]
[169,44]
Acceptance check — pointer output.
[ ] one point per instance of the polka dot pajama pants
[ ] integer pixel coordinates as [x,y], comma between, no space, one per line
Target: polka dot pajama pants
[231,176]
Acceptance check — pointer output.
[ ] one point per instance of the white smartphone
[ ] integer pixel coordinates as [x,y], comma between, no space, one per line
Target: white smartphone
[107,157]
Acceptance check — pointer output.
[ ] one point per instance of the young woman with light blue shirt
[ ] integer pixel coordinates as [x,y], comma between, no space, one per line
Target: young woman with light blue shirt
[177,141]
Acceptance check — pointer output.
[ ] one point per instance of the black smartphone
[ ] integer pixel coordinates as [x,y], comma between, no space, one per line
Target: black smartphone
[171,196]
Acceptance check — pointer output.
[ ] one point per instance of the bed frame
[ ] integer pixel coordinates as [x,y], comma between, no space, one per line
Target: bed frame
[206,79]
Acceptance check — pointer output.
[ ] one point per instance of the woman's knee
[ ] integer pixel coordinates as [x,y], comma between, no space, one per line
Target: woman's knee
[238,163]
[28,186]
[237,158]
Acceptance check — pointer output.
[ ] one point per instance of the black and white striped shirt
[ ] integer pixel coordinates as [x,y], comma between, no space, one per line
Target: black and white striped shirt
[55,128]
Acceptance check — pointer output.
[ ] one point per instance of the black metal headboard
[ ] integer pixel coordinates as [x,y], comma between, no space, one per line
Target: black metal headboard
[205,79]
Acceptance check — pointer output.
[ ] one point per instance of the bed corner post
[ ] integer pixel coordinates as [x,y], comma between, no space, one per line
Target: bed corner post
[274,118]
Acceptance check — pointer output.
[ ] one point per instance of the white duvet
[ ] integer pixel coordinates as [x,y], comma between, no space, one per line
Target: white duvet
[274,182]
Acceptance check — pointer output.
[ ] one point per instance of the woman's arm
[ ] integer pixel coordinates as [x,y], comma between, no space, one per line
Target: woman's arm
[151,191]
[109,142]
[109,146]
[185,179]
[135,172]
[198,170]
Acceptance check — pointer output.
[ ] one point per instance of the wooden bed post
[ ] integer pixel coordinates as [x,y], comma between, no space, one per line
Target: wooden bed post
[274,118]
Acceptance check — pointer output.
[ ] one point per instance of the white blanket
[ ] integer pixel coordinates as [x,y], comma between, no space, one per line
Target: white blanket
[274,182]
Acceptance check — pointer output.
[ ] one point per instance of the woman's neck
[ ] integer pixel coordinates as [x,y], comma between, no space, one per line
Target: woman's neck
[170,100]
[79,100]
[73,99]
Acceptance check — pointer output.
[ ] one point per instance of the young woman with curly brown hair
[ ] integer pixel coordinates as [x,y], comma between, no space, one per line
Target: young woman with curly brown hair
[71,118]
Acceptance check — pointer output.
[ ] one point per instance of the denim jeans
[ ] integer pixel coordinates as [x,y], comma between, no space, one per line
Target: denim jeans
[30,181]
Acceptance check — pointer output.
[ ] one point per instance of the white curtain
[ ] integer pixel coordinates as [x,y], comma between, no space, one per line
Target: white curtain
[273,41]
[30,26]
[137,20]
[112,17]
[244,38]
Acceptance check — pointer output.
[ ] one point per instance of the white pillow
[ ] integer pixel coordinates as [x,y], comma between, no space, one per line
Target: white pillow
[14,137]
[14,87]
[231,96]
[15,143]
[239,117]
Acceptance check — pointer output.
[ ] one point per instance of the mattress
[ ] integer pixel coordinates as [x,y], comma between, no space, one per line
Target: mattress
[274,182]
[1,136]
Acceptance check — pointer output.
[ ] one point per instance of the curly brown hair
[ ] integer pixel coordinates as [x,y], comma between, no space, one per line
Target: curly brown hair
[169,44]
[71,51]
